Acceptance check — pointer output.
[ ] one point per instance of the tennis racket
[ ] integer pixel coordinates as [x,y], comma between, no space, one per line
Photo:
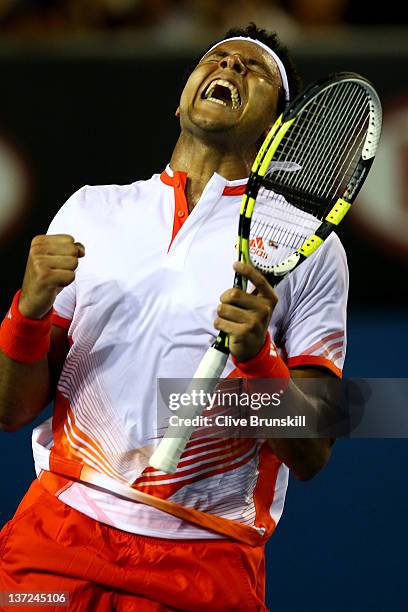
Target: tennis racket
[303,181]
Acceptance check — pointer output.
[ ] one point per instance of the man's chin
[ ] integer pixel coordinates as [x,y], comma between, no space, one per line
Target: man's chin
[213,126]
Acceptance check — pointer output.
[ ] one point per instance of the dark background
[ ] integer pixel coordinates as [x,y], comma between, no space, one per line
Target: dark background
[93,116]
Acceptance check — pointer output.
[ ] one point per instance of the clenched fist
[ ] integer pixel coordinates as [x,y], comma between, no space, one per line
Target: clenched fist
[51,266]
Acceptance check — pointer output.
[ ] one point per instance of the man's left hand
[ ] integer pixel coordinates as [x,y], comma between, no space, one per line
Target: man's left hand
[245,316]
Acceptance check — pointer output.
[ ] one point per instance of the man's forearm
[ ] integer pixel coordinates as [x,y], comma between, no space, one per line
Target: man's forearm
[27,380]
[304,456]
[24,391]
[313,394]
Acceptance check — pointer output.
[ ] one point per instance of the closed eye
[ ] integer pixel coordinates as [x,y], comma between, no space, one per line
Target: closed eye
[217,55]
[251,64]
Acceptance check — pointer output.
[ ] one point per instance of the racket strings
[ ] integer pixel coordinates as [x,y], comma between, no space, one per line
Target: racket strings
[309,127]
[346,150]
[325,142]
[302,145]
[318,143]
[328,142]
[274,232]
[277,228]
[302,140]
[348,165]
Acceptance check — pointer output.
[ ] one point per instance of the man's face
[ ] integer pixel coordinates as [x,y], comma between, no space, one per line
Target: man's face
[232,93]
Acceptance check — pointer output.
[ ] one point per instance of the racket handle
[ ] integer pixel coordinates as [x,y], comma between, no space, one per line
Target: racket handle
[167,454]
[240,281]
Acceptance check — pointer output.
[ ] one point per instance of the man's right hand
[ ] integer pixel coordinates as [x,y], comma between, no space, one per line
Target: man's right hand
[51,266]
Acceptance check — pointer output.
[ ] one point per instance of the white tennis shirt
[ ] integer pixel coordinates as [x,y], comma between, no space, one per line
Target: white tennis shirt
[141,308]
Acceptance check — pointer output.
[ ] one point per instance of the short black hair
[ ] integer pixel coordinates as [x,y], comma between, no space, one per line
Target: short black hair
[271,40]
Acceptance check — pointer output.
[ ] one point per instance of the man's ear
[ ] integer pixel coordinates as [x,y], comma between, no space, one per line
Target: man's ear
[177,113]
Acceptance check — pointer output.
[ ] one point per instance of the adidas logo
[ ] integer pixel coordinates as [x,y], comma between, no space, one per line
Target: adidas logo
[257,247]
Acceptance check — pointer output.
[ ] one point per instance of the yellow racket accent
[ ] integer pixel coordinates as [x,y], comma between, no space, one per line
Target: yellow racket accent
[250,207]
[223,341]
[238,246]
[266,151]
[244,250]
[310,245]
[266,143]
[271,151]
[243,204]
[338,211]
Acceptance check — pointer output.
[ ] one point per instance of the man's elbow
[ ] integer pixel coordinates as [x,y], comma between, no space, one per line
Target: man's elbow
[312,464]
[9,427]
[14,422]
[306,473]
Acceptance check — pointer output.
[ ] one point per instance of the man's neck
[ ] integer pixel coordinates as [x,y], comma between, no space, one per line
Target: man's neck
[200,160]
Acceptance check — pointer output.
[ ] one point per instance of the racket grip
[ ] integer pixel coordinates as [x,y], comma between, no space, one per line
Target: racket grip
[167,454]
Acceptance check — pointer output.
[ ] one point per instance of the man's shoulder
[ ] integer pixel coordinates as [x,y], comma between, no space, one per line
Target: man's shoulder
[104,206]
[331,254]
[117,192]
[110,199]
[332,250]
[325,271]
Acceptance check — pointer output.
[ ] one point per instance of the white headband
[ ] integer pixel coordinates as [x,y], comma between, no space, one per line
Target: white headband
[277,59]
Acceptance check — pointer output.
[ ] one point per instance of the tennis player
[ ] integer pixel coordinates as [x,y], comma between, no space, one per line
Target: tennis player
[130,285]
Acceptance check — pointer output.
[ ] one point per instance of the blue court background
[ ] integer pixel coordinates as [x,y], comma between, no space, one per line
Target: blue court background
[341,543]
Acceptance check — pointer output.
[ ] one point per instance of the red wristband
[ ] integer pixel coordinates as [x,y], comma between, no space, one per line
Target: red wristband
[266,364]
[24,339]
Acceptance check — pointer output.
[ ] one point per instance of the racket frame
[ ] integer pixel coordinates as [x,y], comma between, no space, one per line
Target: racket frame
[335,210]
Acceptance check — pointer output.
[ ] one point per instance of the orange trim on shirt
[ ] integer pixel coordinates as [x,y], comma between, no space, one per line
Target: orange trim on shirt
[212,463]
[56,485]
[234,190]
[229,190]
[313,360]
[68,466]
[178,181]
[181,211]
[264,492]
[325,341]
[62,451]
[164,491]
[217,524]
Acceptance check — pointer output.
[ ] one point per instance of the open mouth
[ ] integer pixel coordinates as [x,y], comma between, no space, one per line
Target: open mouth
[224,93]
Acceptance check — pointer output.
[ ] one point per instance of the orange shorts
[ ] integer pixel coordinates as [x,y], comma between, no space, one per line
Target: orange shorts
[50,547]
